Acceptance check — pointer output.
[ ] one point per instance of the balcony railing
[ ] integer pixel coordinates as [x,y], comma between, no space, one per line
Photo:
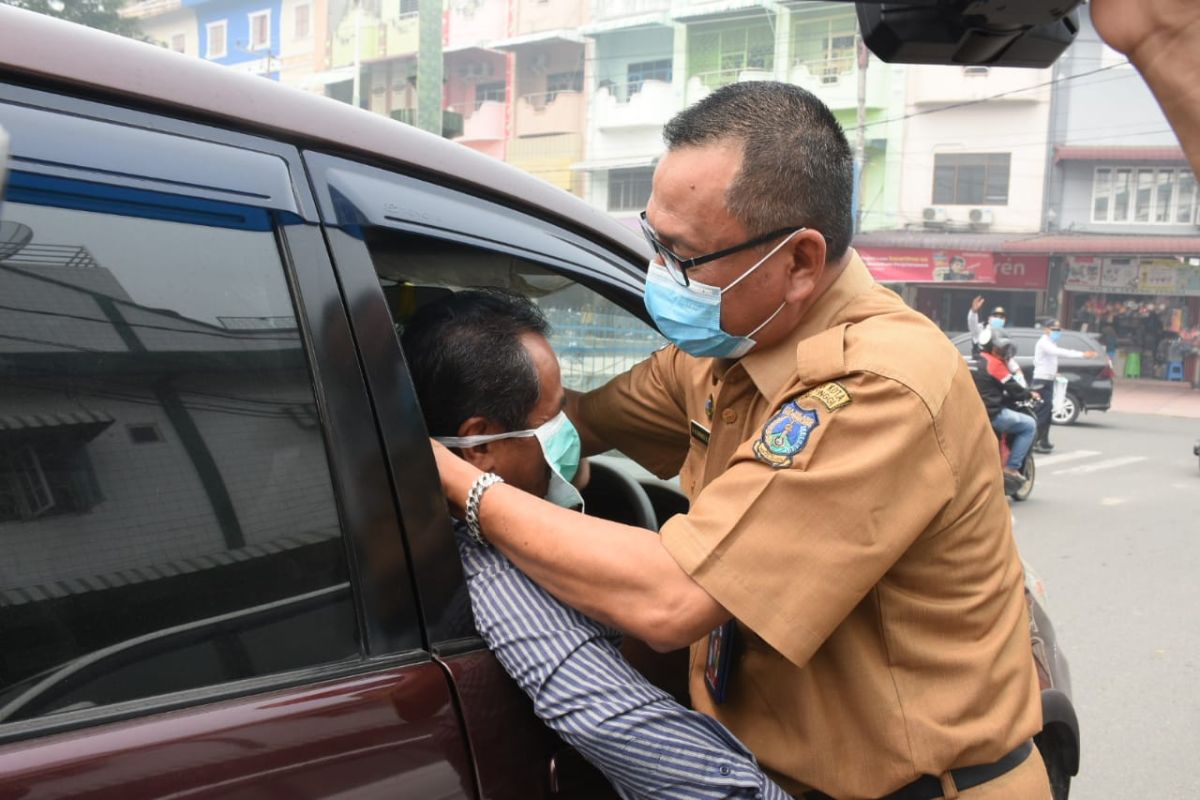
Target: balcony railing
[482,120]
[543,113]
[634,104]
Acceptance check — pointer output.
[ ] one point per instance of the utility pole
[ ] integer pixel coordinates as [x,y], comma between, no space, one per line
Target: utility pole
[860,144]
[356,93]
[429,66]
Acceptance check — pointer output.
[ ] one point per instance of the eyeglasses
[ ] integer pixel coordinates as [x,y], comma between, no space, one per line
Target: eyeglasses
[678,267]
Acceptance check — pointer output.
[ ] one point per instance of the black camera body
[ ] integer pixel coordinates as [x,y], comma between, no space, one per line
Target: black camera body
[997,33]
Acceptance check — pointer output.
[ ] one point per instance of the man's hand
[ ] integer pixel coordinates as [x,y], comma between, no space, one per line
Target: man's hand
[977,303]
[1142,28]
[1090,354]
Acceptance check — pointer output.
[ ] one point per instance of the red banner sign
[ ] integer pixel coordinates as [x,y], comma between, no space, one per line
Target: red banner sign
[1022,271]
[912,265]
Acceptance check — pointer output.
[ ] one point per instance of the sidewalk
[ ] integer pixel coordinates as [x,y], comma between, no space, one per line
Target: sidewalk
[1167,398]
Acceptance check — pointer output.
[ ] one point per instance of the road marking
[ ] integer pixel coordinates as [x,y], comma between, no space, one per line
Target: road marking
[1062,458]
[1112,463]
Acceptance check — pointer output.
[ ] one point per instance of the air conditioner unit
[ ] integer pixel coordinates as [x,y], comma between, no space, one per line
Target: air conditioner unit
[934,217]
[980,217]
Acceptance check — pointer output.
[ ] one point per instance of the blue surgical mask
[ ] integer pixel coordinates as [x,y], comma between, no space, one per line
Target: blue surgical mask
[1055,335]
[561,449]
[996,322]
[690,316]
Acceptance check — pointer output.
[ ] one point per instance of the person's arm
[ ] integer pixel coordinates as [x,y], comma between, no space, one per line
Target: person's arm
[973,319]
[618,574]
[1162,39]
[644,742]
[1066,352]
[590,440]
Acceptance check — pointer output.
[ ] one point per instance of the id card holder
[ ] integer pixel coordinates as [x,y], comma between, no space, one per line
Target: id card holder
[719,662]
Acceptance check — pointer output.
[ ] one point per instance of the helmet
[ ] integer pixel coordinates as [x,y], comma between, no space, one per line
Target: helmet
[994,341]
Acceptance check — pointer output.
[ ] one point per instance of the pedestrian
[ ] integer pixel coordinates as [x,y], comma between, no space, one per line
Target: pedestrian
[846,575]
[1045,370]
[1109,335]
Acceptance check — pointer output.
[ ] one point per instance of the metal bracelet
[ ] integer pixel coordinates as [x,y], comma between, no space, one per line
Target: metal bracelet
[474,497]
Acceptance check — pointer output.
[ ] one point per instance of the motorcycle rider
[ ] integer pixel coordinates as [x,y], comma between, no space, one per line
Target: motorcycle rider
[1001,392]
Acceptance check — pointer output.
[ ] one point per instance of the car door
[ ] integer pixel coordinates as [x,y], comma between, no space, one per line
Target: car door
[204,588]
[399,241]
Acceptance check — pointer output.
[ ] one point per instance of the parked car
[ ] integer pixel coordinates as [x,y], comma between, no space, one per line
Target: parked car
[1089,380]
[226,566]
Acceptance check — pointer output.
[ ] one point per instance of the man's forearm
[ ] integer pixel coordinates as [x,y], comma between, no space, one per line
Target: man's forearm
[617,574]
[590,441]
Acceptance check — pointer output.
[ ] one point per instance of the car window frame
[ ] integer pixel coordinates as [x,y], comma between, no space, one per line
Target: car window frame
[614,273]
[355,461]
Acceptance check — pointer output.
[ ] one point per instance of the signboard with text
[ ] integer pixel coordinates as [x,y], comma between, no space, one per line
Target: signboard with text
[1126,275]
[919,265]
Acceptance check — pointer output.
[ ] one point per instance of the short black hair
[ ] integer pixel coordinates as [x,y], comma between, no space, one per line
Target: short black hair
[797,167]
[466,359]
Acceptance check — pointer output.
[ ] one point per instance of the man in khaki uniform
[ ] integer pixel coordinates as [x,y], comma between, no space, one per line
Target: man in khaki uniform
[848,544]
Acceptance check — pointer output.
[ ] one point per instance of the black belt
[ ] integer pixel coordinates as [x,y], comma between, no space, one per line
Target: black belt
[929,787]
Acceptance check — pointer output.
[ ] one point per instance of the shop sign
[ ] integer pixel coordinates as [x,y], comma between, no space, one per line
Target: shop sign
[1149,276]
[913,265]
[1022,271]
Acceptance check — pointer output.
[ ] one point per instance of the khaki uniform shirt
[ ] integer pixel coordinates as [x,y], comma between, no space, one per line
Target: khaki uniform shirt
[848,510]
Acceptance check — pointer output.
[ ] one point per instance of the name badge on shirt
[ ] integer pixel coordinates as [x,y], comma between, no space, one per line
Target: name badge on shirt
[719,662]
[700,433]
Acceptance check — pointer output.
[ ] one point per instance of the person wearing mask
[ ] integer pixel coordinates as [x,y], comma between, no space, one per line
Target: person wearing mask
[489,385]
[827,437]
[1045,370]
[1001,393]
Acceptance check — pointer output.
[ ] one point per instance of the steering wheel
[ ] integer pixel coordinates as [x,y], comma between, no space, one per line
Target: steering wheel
[614,495]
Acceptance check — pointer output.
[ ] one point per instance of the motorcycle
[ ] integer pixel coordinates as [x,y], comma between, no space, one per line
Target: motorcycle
[1020,489]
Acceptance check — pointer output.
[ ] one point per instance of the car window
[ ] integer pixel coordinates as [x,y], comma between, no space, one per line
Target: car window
[1079,341]
[167,518]
[595,338]
[1026,343]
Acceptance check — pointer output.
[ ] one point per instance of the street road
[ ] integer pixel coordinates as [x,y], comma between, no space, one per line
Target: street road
[1113,527]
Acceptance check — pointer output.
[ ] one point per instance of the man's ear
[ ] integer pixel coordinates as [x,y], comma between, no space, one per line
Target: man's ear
[807,265]
[479,456]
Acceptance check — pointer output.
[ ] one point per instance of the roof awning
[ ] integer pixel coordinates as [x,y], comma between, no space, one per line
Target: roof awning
[1067,152]
[1044,243]
[613,163]
[565,36]
[84,425]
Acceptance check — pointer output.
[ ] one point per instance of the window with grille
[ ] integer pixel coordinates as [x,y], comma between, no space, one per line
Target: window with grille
[1144,195]
[718,55]
[629,189]
[827,46]
[975,179]
[637,73]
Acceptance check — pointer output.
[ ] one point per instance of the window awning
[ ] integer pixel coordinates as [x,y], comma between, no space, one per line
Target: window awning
[1067,152]
[84,425]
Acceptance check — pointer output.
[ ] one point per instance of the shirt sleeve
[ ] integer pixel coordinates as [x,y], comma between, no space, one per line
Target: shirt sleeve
[1064,352]
[790,548]
[643,413]
[646,744]
[973,325]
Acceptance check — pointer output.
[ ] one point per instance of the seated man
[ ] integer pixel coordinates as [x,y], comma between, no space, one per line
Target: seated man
[1001,391]
[489,385]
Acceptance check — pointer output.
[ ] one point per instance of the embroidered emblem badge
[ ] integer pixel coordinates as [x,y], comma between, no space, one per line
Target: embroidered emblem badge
[708,408]
[832,395]
[785,435]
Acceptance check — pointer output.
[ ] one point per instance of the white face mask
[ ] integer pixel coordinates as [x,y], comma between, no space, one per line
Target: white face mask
[560,448]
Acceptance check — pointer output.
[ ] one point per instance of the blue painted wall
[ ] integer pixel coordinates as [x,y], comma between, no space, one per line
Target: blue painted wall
[236,15]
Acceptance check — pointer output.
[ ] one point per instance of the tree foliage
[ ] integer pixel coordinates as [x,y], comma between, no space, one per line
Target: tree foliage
[102,14]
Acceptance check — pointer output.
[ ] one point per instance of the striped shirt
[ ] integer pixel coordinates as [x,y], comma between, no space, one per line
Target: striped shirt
[645,743]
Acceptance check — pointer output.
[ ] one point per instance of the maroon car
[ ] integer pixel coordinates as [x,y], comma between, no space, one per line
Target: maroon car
[226,565]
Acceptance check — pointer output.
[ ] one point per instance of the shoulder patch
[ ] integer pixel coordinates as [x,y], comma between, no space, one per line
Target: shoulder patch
[786,434]
[832,395]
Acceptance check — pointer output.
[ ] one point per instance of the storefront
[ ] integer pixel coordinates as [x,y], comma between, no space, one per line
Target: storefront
[942,283]
[1145,310]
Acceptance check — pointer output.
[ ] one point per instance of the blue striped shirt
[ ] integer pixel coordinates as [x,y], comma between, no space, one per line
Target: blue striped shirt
[645,743]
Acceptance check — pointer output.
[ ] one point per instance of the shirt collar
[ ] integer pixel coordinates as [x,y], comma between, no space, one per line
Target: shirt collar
[773,368]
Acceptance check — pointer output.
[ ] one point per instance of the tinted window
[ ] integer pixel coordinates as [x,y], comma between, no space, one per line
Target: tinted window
[1025,343]
[1078,341]
[166,513]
